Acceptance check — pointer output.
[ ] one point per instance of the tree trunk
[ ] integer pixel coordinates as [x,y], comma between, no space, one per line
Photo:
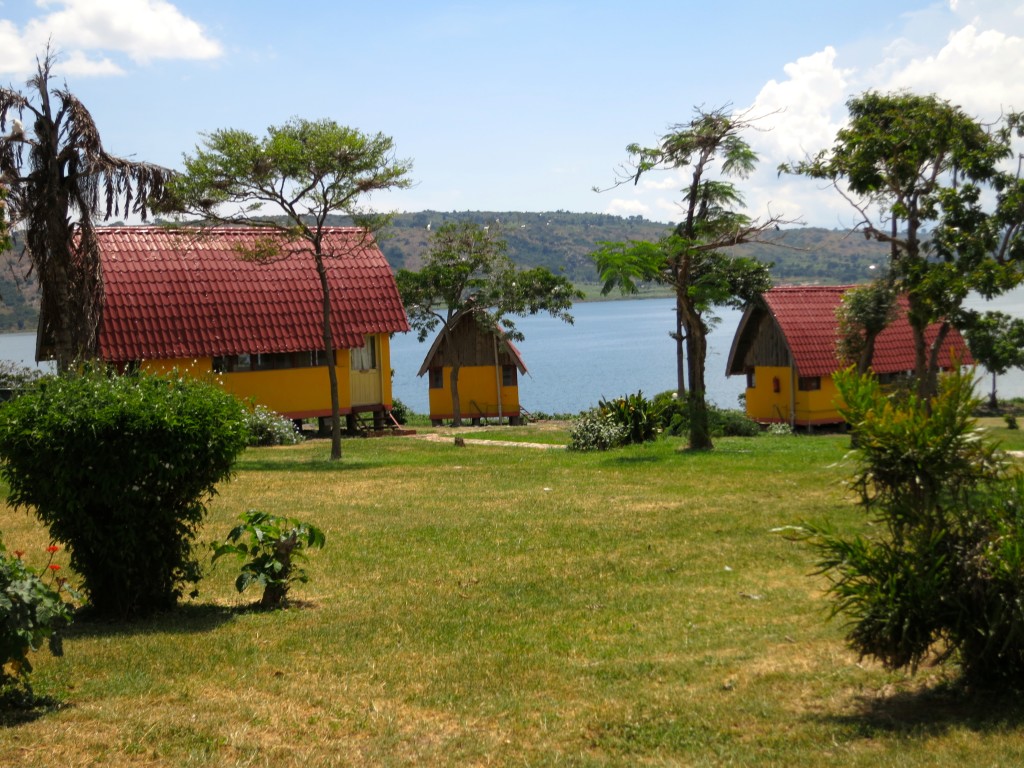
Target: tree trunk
[679,337]
[456,404]
[696,353]
[993,401]
[332,368]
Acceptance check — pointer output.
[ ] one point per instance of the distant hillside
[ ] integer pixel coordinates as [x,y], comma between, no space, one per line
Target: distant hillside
[558,240]
[563,242]
[19,292]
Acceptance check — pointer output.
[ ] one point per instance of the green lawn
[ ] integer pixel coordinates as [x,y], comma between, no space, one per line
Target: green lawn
[497,605]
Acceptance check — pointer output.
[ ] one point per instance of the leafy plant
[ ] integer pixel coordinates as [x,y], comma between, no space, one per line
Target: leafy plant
[32,610]
[675,414]
[400,411]
[272,544]
[267,427]
[594,431]
[943,572]
[120,468]
[636,414]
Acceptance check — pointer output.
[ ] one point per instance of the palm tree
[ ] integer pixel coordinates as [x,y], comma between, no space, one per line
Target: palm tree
[60,181]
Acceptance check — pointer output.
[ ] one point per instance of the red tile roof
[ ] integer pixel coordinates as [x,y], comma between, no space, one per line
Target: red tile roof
[188,292]
[806,315]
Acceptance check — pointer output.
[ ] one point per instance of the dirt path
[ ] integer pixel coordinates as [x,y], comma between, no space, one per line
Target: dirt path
[435,437]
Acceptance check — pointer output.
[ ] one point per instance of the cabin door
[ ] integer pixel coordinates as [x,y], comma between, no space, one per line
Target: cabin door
[365,374]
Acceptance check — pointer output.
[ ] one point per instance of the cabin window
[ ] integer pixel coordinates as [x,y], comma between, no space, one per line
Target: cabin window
[508,376]
[751,379]
[364,358]
[437,378]
[267,362]
[308,359]
[809,383]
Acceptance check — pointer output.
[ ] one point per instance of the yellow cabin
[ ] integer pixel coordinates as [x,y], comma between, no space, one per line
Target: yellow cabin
[188,300]
[488,374]
[785,345]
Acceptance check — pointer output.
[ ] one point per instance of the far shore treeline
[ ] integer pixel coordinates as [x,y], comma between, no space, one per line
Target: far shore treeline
[558,240]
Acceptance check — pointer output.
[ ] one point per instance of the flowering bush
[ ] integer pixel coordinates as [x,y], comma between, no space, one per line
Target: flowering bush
[120,469]
[274,544]
[32,610]
[267,427]
[594,431]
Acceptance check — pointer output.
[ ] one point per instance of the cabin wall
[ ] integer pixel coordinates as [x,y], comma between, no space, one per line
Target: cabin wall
[777,398]
[298,393]
[478,386]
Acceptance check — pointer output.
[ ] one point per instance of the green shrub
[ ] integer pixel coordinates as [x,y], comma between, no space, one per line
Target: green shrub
[636,414]
[267,427]
[32,610]
[733,423]
[594,431]
[400,411]
[273,545]
[942,572]
[674,415]
[120,469]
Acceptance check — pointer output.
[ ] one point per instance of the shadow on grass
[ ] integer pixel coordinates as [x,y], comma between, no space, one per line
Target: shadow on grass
[23,707]
[185,619]
[189,618]
[280,463]
[933,711]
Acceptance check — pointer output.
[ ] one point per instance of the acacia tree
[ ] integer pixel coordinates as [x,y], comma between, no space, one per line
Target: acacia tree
[305,170]
[914,169]
[467,272]
[60,180]
[996,340]
[690,258]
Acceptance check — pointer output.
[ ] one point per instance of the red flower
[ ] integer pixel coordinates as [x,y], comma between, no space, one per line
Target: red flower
[52,548]
[54,567]
[18,553]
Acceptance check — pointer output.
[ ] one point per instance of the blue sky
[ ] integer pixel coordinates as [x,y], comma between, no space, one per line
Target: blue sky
[519,105]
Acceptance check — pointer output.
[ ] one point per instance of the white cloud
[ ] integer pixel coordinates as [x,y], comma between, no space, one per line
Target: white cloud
[622,207]
[968,53]
[979,69]
[88,32]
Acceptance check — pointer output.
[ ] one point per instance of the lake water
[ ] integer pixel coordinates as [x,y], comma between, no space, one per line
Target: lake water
[613,348]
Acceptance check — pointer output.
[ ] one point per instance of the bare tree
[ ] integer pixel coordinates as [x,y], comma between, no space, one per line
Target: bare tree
[60,181]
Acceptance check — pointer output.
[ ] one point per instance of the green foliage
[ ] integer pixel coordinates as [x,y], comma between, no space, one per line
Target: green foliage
[467,274]
[267,427]
[637,415]
[996,341]
[594,431]
[691,259]
[943,571]
[400,411]
[272,544]
[120,468]
[308,170]
[863,313]
[924,166]
[32,610]
[675,413]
